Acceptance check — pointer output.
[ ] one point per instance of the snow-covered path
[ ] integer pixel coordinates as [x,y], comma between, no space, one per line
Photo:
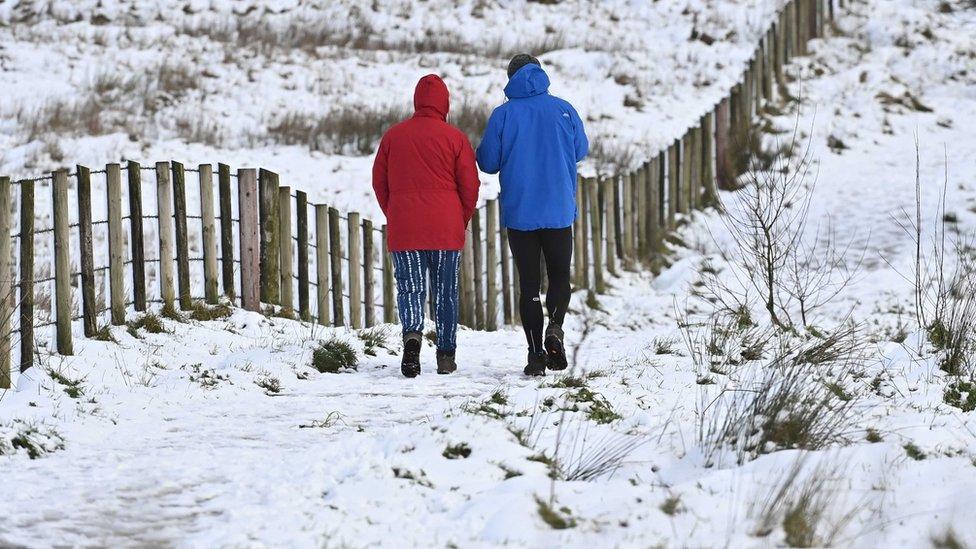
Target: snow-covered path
[167,461]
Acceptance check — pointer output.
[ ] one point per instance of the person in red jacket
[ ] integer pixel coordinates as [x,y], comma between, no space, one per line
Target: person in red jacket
[426,182]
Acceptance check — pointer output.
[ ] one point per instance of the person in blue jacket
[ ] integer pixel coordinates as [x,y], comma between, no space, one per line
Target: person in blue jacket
[534,141]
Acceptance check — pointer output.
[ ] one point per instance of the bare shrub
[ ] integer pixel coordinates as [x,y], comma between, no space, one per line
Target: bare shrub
[794,269]
[944,283]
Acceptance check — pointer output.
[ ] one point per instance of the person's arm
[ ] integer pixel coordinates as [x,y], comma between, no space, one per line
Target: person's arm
[490,149]
[581,143]
[466,176]
[381,184]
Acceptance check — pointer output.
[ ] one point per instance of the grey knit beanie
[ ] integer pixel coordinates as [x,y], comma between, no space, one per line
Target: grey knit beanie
[520,61]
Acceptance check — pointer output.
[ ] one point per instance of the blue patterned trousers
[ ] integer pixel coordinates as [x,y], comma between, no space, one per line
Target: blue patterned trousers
[411,270]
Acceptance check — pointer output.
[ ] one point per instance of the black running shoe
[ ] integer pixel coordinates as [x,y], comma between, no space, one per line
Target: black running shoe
[445,362]
[410,363]
[555,352]
[536,364]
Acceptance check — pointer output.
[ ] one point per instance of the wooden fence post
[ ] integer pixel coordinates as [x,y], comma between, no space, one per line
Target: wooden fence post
[723,165]
[653,212]
[625,199]
[182,246]
[579,257]
[389,305]
[491,265]
[87,262]
[467,287]
[335,245]
[369,253]
[710,197]
[137,240]
[164,204]
[355,271]
[6,283]
[322,264]
[62,262]
[596,230]
[507,295]
[26,274]
[610,208]
[116,244]
[301,209]
[270,248]
[673,174]
[638,180]
[478,260]
[586,226]
[226,230]
[285,270]
[208,227]
[250,240]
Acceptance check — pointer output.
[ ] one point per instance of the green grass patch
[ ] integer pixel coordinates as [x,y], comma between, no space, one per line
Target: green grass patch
[334,355]
[560,519]
[204,312]
[671,506]
[460,450]
[72,387]
[913,451]
[104,334]
[271,385]
[374,338]
[961,394]
[148,321]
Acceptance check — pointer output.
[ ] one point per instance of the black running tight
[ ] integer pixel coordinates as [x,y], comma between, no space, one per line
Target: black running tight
[528,248]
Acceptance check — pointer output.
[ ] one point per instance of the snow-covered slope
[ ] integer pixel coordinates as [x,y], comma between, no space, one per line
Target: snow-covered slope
[282,85]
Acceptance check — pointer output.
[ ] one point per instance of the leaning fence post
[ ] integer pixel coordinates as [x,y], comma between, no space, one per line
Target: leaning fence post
[134,173]
[491,265]
[708,157]
[87,262]
[355,271]
[226,230]
[389,307]
[182,246]
[477,258]
[62,262]
[116,244]
[247,183]
[270,274]
[596,230]
[301,209]
[322,263]
[208,227]
[335,245]
[369,313]
[26,274]
[6,284]
[723,167]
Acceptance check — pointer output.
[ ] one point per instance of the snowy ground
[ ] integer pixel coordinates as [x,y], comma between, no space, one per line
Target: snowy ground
[169,439]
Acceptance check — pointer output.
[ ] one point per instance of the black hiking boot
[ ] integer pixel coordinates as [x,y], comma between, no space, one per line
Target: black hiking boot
[445,362]
[555,352]
[410,363]
[536,364]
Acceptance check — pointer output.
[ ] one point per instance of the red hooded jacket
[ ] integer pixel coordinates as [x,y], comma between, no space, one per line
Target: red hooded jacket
[424,175]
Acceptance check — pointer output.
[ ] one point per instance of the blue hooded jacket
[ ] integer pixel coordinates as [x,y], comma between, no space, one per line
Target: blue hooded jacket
[534,140]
